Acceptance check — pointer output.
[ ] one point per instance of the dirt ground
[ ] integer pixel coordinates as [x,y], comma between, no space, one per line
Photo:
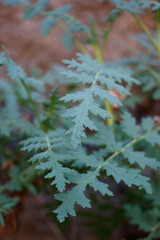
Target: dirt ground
[23,40]
[25,44]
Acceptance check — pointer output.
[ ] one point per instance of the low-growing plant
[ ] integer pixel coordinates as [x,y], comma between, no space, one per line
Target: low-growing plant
[76,138]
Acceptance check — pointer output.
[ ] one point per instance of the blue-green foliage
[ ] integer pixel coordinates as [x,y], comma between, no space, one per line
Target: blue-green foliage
[136,6]
[70,25]
[10,117]
[50,147]
[6,205]
[118,171]
[49,157]
[52,17]
[88,71]
[14,2]
[117,157]
[10,94]
[147,217]
[129,126]
[33,10]
[148,72]
[17,74]
[120,153]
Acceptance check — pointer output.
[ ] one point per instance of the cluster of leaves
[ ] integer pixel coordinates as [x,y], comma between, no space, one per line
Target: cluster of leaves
[116,169]
[146,217]
[47,146]
[136,6]
[56,137]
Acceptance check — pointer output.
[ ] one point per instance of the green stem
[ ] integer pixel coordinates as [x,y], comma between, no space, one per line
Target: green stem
[115,154]
[134,141]
[32,102]
[80,47]
[105,40]
[154,74]
[146,30]
[108,106]
[97,53]
[154,229]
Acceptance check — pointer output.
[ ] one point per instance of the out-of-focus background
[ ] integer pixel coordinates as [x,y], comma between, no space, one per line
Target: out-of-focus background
[26,45]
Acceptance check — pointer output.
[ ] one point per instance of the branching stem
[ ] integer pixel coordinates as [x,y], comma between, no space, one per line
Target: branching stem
[134,141]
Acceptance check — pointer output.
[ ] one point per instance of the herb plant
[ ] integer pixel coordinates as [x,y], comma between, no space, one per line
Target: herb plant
[54,132]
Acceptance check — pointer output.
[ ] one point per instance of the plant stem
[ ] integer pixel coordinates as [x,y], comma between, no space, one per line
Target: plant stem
[146,30]
[134,141]
[117,153]
[105,39]
[154,74]
[108,107]
[80,47]
[32,102]
[100,53]
[97,53]
[109,121]
[154,229]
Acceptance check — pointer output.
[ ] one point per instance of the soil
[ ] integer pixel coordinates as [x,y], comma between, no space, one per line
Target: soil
[25,44]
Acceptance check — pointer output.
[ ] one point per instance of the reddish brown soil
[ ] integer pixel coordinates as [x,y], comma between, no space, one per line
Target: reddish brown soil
[25,44]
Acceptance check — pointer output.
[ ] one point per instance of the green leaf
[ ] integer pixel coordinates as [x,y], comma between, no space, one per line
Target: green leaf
[128,176]
[140,159]
[49,147]
[136,7]
[90,72]
[33,11]
[2,220]
[113,15]
[129,126]
[106,136]
[14,71]
[156,95]
[68,41]
[76,195]
[146,220]
[147,123]
[153,138]
[47,25]
[14,2]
